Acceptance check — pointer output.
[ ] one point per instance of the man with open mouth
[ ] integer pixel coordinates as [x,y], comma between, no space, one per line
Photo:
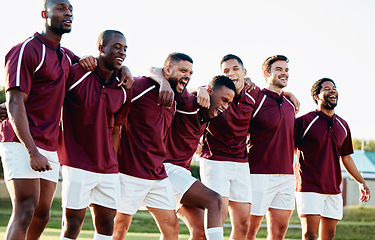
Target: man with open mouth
[322,141]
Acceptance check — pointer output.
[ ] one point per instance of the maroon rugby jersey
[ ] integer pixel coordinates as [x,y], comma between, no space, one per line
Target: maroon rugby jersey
[225,138]
[142,149]
[320,141]
[89,113]
[39,68]
[271,134]
[187,127]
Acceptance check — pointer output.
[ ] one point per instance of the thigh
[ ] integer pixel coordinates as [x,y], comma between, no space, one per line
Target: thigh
[240,185]
[16,162]
[160,196]
[310,224]
[239,212]
[23,191]
[77,185]
[133,193]
[214,174]
[181,180]
[192,216]
[199,196]
[285,195]
[107,192]
[278,218]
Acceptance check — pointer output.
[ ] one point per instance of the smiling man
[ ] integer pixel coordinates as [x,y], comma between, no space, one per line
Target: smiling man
[144,181]
[94,104]
[271,152]
[192,197]
[322,139]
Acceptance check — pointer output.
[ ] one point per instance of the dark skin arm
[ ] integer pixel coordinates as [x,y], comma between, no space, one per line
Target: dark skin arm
[89,64]
[116,137]
[17,114]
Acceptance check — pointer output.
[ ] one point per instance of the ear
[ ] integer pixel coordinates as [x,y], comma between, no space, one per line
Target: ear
[44,14]
[167,70]
[210,91]
[244,71]
[266,73]
[100,48]
[316,97]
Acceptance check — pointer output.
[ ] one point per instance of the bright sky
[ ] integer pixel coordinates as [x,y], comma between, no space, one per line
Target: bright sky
[321,38]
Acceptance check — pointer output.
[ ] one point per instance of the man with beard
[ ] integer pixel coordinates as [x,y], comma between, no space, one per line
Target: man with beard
[36,72]
[144,181]
[93,105]
[322,139]
[271,152]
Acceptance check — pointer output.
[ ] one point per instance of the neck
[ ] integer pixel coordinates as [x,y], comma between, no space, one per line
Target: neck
[326,111]
[275,89]
[238,91]
[108,72]
[50,35]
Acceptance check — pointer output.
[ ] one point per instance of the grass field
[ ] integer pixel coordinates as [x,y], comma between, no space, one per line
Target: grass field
[358,224]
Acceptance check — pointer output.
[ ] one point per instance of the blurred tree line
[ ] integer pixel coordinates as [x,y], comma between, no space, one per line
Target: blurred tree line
[369,145]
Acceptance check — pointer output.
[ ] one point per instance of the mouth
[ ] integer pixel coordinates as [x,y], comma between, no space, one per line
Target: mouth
[218,111]
[68,22]
[283,79]
[119,60]
[182,84]
[332,97]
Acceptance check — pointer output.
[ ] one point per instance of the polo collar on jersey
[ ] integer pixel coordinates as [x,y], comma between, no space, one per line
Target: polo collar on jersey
[274,95]
[48,43]
[102,77]
[330,120]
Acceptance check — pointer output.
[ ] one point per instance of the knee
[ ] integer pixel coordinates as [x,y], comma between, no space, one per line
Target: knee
[331,234]
[279,231]
[104,225]
[171,228]
[198,234]
[25,214]
[310,235]
[215,202]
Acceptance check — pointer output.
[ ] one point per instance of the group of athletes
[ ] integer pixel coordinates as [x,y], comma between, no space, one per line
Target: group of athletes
[125,143]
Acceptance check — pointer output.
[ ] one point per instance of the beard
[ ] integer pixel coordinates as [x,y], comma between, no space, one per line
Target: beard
[173,81]
[329,105]
[60,30]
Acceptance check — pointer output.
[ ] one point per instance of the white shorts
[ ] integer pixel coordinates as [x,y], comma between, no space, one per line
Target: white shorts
[229,179]
[272,191]
[325,205]
[16,163]
[181,180]
[81,187]
[139,192]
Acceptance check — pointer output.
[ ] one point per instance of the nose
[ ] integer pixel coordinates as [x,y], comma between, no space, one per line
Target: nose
[226,105]
[68,12]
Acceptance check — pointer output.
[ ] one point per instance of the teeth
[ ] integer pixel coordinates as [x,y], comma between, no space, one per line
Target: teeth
[220,110]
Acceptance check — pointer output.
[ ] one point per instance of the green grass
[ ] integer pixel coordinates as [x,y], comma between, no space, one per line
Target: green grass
[358,223]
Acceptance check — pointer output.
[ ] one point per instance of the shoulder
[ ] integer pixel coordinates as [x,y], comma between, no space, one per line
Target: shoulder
[76,75]
[187,102]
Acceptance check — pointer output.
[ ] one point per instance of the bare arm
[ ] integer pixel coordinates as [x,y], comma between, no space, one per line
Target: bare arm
[116,137]
[294,100]
[3,112]
[203,98]
[17,114]
[166,94]
[88,63]
[348,163]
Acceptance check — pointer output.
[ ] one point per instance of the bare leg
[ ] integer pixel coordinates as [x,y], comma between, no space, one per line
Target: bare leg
[167,222]
[121,227]
[42,212]
[103,218]
[240,218]
[200,196]
[310,226]
[24,194]
[255,222]
[72,222]
[327,228]
[277,223]
[194,219]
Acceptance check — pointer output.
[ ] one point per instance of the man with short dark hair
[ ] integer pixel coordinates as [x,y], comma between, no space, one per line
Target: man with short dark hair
[36,72]
[144,181]
[189,123]
[322,139]
[271,152]
[94,105]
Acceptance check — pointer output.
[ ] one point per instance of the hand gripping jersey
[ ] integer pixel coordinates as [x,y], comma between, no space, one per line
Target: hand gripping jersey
[321,141]
[187,128]
[225,138]
[39,68]
[89,112]
[271,134]
[142,149]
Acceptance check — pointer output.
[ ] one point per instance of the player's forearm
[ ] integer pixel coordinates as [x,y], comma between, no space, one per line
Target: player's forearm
[20,124]
[348,163]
